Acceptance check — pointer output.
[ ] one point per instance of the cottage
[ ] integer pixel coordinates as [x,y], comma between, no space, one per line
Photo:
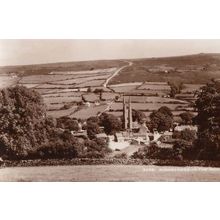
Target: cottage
[183,127]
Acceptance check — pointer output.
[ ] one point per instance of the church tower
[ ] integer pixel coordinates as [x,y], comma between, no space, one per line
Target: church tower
[125,114]
[130,114]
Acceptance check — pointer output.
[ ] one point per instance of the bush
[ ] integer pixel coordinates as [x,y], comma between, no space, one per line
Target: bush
[121,156]
[68,123]
[181,150]
[187,118]
[153,152]
[186,134]
[92,129]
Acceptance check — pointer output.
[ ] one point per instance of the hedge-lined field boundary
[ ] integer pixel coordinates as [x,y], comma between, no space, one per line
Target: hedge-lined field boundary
[109,161]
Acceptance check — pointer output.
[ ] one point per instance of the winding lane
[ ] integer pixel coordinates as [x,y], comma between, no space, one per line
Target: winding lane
[116,73]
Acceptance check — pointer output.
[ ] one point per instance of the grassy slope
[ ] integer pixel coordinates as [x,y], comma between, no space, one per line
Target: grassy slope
[188,69]
[64,66]
[195,69]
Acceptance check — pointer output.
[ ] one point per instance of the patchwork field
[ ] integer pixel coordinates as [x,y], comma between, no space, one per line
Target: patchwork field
[7,80]
[65,92]
[73,94]
[191,69]
[78,89]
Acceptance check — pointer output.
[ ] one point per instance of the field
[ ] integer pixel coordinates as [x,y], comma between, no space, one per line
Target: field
[73,89]
[65,91]
[69,67]
[110,173]
[191,69]
[7,80]
[87,112]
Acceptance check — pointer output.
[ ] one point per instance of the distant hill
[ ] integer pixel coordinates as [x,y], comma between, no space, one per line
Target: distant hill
[195,69]
[42,69]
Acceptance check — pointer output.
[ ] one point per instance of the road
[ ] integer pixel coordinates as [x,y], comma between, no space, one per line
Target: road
[110,173]
[107,81]
[117,72]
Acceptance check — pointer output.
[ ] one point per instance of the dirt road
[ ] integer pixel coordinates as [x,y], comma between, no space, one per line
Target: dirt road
[116,73]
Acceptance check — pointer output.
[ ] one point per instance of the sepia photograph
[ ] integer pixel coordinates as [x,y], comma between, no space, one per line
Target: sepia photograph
[109,109]
[106,110]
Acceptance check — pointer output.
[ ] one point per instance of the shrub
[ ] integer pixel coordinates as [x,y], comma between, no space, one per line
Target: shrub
[186,134]
[92,129]
[187,118]
[68,123]
[183,149]
[121,156]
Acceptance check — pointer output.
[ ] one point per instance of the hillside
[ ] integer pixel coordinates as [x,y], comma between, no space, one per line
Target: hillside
[67,88]
[196,69]
[43,69]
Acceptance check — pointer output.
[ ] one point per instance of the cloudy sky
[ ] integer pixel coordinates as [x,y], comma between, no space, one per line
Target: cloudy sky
[17,52]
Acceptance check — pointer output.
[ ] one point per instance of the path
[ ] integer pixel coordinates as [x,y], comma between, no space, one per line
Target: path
[107,81]
[116,73]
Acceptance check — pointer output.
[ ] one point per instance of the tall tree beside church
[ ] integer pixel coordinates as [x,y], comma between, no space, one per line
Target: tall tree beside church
[208,120]
[110,123]
[161,120]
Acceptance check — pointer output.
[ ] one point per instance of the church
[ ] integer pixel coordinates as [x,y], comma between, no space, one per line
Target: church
[131,134]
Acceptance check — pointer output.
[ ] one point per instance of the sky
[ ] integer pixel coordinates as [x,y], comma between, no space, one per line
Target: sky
[20,52]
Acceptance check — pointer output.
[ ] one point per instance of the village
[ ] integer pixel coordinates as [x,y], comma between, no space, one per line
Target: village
[84,94]
[134,134]
[111,112]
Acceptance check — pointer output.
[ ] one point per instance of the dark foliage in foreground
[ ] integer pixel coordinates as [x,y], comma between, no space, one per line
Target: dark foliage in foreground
[27,133]
[181,150]
[186,134]
[22,121]
[208,120]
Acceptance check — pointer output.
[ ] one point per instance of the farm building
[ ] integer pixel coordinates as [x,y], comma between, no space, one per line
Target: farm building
[183,127]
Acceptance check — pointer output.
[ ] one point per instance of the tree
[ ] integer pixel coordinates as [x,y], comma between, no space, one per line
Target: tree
[175,88]
[111,123]
[89,89]
[60,145]
[22,121]
[162,119]
[186,134]
[93,119]
[165,110]
[187,118]
[92,129]
[183,149]
[98,91]
[68,123]
[138,116]
[208,120]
